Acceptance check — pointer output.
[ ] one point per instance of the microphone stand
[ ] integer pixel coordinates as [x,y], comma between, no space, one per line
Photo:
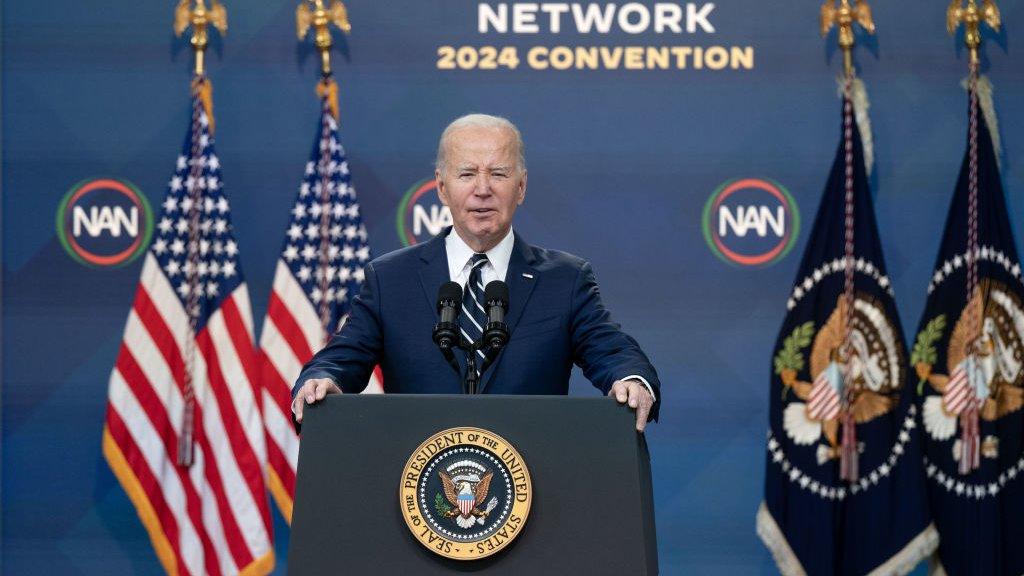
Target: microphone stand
[448,335]
[471,380]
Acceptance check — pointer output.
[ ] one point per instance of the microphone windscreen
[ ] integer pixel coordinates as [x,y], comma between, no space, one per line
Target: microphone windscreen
[497,290]
[449,291]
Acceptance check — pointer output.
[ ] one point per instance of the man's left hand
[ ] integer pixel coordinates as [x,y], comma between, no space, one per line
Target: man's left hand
[636,395]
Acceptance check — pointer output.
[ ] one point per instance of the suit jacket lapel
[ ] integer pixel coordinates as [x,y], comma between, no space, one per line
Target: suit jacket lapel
[520,288]
[433,273]
[434,270]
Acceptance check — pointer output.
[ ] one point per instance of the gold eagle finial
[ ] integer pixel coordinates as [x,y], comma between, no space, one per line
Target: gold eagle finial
[844,15]
[199,17]
[320,18]
[971,17]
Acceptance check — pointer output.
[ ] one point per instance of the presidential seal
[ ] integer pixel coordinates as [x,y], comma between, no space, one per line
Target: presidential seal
[465,493]
[984,372]
[866,371]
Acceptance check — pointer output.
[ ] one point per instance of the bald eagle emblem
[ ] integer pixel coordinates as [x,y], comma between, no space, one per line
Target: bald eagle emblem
[868,361]
[465,486]
[465,493]
[984,369]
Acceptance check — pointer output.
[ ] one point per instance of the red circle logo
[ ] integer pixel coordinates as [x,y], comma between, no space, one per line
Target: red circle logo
[420,214]
[751,222]
[104,222]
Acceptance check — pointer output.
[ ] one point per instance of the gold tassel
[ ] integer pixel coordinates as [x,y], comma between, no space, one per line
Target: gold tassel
[859,97]
[989,110]
[203,88]
[328,88]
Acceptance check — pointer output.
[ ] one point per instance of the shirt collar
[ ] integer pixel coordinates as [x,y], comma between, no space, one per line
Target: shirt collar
[459,254]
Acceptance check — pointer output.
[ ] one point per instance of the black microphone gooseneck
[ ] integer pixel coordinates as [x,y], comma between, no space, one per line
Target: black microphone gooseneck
[495,334]
[448,335]
[446,331]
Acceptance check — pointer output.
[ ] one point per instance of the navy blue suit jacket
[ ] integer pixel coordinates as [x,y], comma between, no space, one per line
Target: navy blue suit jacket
[555,319]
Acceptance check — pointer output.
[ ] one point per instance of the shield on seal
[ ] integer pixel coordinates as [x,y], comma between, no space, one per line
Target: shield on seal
[466,503]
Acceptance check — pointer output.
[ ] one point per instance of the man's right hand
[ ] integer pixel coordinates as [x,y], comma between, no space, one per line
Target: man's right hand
[312,391]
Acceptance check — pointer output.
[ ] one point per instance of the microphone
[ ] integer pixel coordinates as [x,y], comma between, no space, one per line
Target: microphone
[496,304]
[449,304]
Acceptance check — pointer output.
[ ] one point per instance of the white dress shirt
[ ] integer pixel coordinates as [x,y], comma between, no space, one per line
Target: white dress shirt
[459,255]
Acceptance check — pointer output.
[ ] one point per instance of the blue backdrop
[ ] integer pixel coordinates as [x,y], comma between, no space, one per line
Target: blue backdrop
[621,163]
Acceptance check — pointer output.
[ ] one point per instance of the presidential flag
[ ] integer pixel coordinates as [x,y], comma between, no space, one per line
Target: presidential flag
[844,488]
[969,361]
[319,272]
[183,431]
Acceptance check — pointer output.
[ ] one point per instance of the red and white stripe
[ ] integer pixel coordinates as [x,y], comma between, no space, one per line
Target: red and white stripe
[960,399]
[211,517]
[292,333]
[823,402]
[959,394]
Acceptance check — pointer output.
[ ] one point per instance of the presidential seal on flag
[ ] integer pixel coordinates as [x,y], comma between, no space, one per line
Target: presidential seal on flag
[866,371]
[985,368]
[465,493]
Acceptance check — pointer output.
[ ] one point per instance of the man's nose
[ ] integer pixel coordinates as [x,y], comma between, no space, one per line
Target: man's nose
[483,185]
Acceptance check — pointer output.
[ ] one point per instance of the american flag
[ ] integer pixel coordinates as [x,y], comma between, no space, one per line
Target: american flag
[319,271]
[189,343]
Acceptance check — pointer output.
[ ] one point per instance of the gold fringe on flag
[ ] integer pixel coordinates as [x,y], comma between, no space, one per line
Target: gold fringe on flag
[203,88]
[327,89]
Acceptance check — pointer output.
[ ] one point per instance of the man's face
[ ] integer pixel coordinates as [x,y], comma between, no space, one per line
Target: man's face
[481,184]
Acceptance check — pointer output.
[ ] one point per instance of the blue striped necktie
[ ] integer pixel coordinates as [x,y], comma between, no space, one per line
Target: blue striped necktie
[474,315]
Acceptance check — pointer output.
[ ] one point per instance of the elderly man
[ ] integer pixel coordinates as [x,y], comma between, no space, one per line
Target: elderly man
[555,316]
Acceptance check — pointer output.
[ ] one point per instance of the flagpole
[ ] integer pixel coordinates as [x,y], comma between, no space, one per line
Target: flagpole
[843,16]
[971,17]
[199,18]
[320,18]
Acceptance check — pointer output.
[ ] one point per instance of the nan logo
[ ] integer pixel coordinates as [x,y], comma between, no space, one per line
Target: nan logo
[751,222]
[420,214]
[104,222]
[465,493]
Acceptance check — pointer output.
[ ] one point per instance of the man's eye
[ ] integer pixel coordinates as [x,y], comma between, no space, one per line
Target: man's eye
[465,175]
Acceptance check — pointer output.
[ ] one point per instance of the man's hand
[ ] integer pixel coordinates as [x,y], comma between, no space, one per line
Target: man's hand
[635,393]
[312,391]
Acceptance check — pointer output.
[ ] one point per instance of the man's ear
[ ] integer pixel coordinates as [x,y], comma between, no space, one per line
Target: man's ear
[522,190]
[442,192]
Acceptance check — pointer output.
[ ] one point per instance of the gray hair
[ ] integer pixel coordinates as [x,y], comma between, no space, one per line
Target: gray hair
[480,121]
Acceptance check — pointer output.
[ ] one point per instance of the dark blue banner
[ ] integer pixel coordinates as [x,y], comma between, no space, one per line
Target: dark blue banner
[844,489]
[969,360]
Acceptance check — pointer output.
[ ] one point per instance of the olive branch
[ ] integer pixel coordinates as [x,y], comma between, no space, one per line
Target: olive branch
[791,356]
[441,505]
[924,346]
